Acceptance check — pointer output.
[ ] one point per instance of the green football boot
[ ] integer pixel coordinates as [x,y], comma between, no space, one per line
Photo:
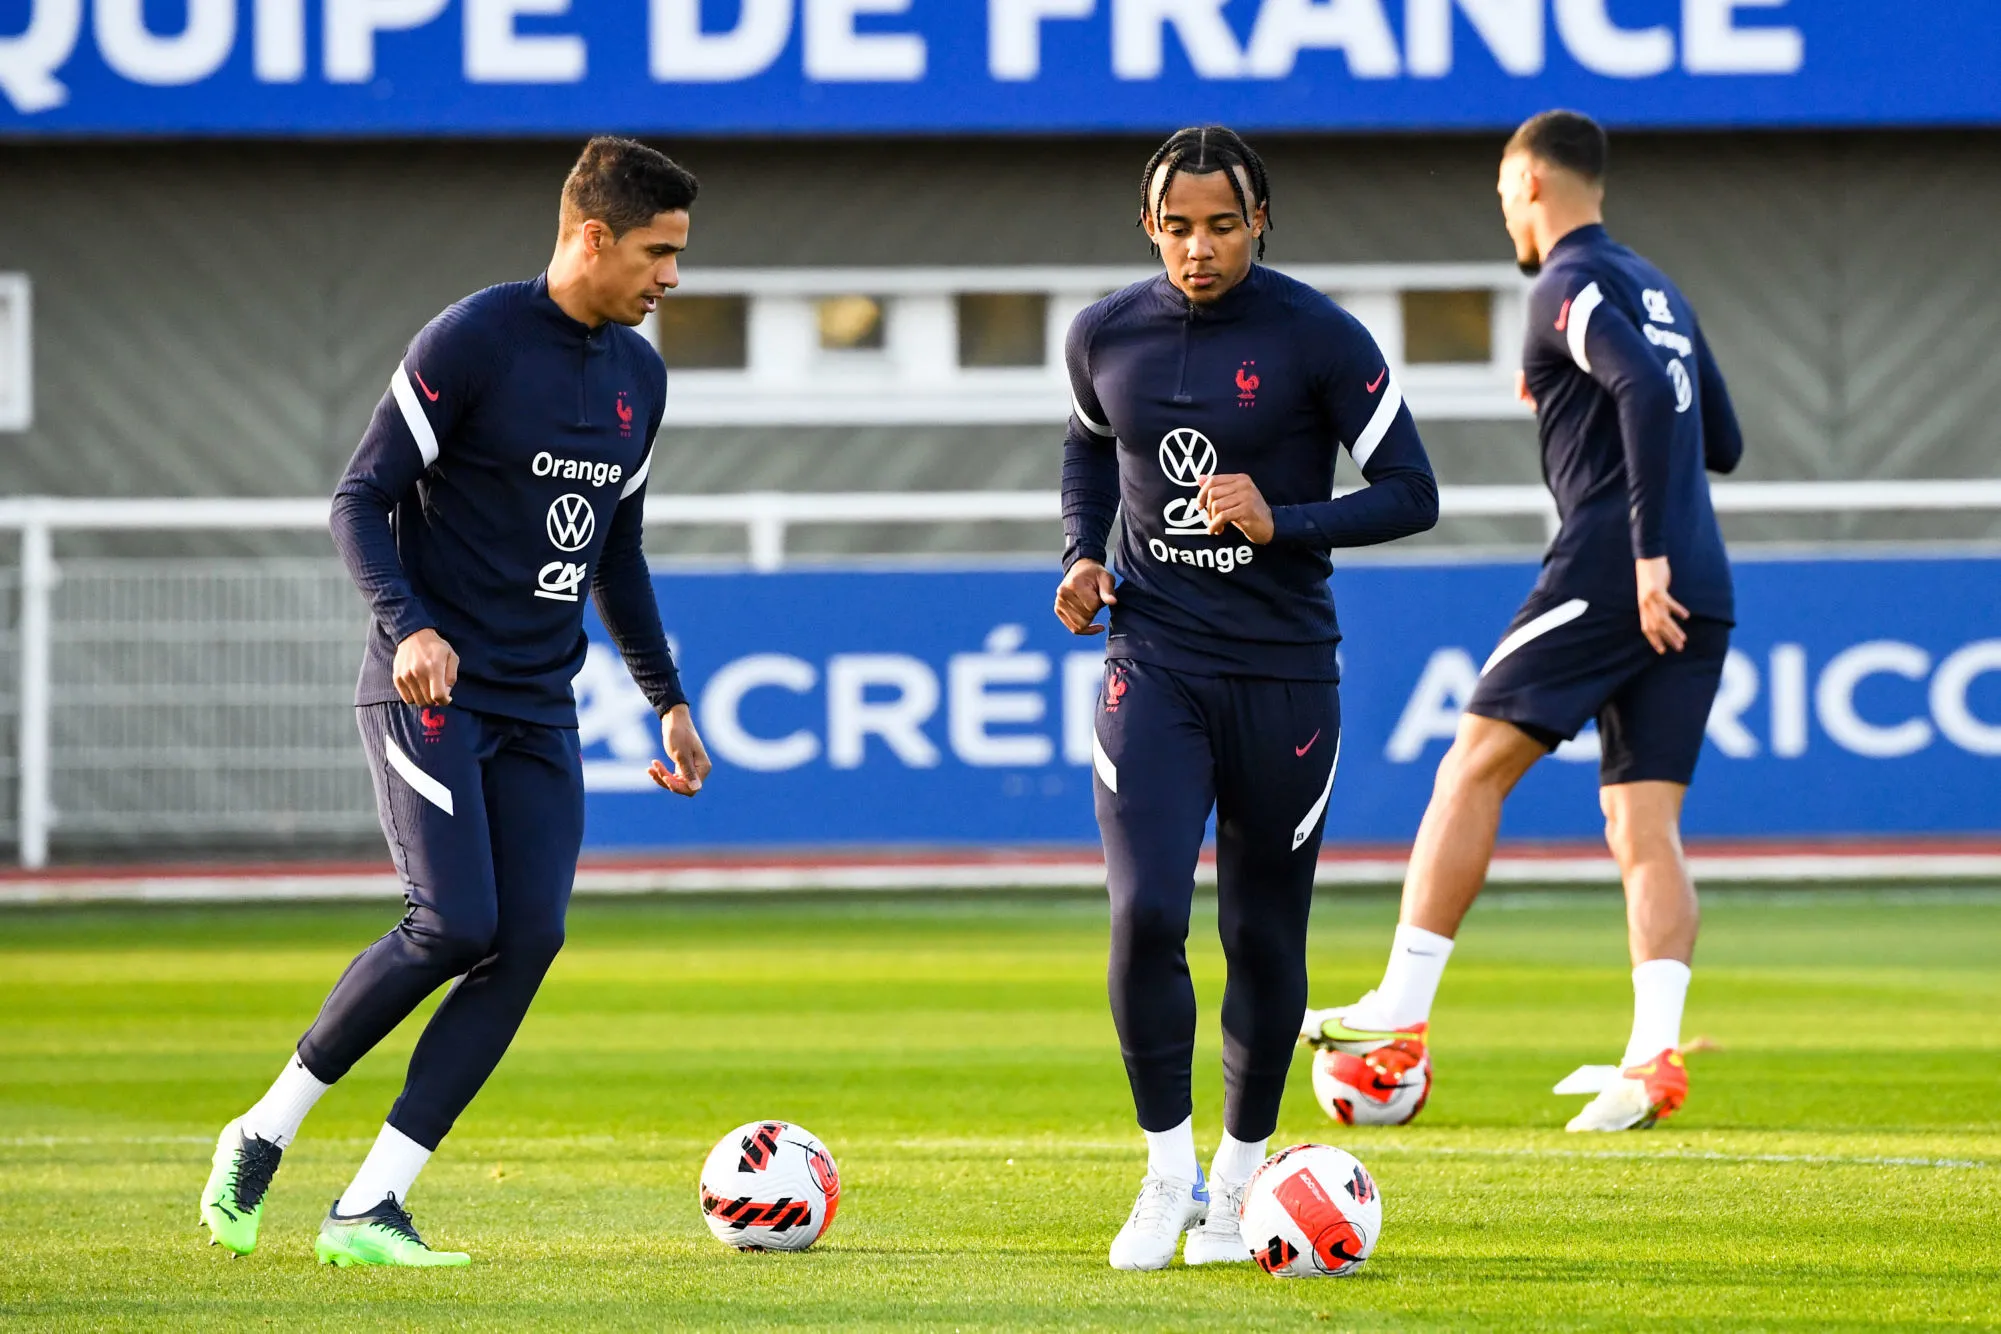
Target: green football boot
[382,1236]
[232,1203]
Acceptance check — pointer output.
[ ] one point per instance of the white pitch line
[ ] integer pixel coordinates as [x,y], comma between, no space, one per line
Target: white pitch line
[1687,1155]
[1027,1148]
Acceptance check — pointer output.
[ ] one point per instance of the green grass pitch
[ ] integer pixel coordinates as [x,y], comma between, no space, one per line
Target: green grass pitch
[1839,1164]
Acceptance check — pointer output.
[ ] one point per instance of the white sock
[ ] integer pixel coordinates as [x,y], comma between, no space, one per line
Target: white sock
[1236,1159]
[390,1169]
[1171,1153]
[1660,987]
[278,1114]
[1410,979]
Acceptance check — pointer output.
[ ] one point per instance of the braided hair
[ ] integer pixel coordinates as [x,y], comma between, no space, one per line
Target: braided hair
[1201,150]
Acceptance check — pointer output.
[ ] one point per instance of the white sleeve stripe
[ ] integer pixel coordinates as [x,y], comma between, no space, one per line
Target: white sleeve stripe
[638,478]
[1581,307]
[1379,425]
[1091,424]
[413,414]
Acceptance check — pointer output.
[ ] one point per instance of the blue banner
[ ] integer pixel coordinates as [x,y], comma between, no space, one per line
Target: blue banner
[477,67]
[1862,697]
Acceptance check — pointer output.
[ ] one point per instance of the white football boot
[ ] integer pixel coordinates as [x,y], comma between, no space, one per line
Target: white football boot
[1356,1028]
[1220,1238]
[1638,1097]
[1165,1209]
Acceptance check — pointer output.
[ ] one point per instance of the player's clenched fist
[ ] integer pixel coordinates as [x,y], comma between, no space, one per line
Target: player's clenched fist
[1234,498]
[684,747]
[1084,591]
[426,669]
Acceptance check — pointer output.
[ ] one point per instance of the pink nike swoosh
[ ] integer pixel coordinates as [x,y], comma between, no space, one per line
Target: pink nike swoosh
[1301,750]
[1372,389]
[428,391]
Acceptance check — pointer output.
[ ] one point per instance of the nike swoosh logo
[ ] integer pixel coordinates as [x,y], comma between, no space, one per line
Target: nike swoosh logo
[1379,379]
[1333,1030]
[429,392]
[1563,316]
[1301,750]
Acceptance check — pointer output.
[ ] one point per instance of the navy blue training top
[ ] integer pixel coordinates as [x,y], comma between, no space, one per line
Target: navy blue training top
[1631,407]
[503,473]
[1271,379]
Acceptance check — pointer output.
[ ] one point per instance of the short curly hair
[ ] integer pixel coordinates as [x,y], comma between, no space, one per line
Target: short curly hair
[624,184]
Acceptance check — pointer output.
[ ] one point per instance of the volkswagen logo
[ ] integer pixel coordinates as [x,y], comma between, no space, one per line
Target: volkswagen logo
[1186,456]
[571,522]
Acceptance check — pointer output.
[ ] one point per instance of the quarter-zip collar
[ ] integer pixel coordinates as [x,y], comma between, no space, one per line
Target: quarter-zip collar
[1232,306]
[587,340]
[1228,308]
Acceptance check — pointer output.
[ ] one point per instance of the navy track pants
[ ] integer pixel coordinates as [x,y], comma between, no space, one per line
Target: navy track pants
[484,817]
[1169,747]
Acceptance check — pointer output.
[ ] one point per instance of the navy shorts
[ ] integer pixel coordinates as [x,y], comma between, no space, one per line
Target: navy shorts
[1564,662]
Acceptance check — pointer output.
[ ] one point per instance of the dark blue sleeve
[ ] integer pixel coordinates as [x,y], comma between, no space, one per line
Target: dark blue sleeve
[1608,347]
[1722,438]
[1090,455]
[1365,407]
[623,588]
[430,392]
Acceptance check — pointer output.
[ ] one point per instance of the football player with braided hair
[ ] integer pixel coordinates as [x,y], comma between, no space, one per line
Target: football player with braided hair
[1210,403]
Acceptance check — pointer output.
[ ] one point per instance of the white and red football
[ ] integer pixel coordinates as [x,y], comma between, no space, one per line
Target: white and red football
[770,1186]
[1385,1087]
[1312,1212]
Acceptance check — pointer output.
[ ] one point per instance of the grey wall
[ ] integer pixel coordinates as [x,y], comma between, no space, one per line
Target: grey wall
[220,318]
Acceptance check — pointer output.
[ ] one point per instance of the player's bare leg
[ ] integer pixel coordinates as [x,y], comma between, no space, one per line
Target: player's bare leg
[1455,842]
[1643,830]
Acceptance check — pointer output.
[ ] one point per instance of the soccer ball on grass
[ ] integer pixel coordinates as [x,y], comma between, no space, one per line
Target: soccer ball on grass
[1312,1212]
[1385,1087]
[769,1186]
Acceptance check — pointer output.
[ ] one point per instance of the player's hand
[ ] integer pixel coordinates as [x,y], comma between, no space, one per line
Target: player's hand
[426,669]
[684,747]
[1658,611]
[1085,590]
[1233,498]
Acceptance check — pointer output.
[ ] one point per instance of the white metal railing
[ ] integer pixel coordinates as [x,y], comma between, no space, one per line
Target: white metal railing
[766,518]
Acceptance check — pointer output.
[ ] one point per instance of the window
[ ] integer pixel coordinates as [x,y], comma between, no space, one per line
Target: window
[1003,328]
[704,333]
[851,324]
[1453,327]
[16,364]
[915,345]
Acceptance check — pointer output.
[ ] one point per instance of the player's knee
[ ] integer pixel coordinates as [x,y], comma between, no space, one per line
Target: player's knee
[1467,769]
[535,947]
[456,941]
[1150,923]
[1637,837]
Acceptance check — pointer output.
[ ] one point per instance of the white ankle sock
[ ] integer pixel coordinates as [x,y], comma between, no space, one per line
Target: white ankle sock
[1660,988]
[1410,979]
[1171,1153]
[278,1114]
[390,1169]
[1236,1159]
